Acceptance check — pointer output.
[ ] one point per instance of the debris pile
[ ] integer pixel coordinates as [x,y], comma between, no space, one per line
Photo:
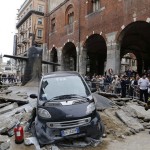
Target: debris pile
[14,108]
[126,116]
[121,116]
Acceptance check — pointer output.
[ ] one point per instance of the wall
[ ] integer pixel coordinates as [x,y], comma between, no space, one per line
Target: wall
[53,4]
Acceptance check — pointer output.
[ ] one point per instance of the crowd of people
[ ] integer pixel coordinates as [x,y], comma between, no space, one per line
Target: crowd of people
[129,84]
[9,78]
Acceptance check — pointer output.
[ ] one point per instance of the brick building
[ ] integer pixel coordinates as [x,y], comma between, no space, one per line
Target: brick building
[91,36]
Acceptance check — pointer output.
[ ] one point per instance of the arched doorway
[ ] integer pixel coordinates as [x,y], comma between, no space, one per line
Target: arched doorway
[96,50]
[135,38]
[54,58]
[69,57]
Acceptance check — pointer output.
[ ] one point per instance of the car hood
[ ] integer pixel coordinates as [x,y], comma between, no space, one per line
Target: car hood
[66,110]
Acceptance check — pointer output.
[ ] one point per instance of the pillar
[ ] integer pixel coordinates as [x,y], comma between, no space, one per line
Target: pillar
[82,61]
[45,57]
[60,59]
[113,53]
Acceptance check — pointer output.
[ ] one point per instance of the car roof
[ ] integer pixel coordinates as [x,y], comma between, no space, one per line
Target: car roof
[61,73]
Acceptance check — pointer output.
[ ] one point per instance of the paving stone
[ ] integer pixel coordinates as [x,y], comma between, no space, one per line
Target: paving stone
[141,111]
[5,145]
[8,108]
[131,122]
[3,138]
[4,104]
[9,123]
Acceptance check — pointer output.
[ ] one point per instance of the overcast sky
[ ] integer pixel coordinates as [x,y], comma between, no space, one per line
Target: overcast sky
[8,15]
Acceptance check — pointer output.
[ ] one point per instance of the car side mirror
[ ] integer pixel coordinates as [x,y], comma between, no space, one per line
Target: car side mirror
[33,96]
[93,90]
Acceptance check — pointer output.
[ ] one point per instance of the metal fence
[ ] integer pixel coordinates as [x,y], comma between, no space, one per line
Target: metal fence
[131,91]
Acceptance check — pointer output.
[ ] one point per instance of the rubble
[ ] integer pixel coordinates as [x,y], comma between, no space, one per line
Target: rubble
[121,116]
[129,120]
[4,142]
[4,104]
[8,108]
[32,140]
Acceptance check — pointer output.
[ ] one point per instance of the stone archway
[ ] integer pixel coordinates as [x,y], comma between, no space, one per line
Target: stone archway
[135,38]
[69,57]
[54,58]
[96,53]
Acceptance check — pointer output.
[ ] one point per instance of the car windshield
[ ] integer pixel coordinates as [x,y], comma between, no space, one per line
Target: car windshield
[64,85]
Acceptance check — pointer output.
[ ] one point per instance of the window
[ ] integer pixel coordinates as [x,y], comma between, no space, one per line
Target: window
[39,45]
[70,18]
[41,8]
[96,5]
[69,15]
[133,62]
[30,7]
[39,34]
[7,68]
[93,6]
[39,20]
[29,21]
[53,25]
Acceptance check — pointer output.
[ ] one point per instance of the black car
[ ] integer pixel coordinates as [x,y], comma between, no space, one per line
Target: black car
[65,109]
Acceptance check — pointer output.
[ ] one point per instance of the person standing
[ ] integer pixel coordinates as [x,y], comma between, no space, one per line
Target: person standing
[123,87]
[143,84]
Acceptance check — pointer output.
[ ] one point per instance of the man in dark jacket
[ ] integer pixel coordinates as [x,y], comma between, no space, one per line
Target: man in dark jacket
[123,87]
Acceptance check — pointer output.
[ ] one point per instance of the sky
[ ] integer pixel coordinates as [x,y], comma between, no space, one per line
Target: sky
[8,15]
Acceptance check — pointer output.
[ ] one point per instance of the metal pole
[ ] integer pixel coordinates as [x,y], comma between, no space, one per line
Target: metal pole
[79,36]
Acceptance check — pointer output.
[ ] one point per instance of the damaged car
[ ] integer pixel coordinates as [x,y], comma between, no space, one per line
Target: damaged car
[65,109]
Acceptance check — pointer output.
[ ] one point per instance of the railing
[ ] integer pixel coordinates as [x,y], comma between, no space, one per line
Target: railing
[131,91]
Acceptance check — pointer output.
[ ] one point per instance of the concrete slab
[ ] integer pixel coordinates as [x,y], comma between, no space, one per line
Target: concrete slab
[141,110]
[3,138]
[26,89]
[9,122]
[130,121]
[27,108]
[102,102]
[4,104]
[8,108]
[15,98]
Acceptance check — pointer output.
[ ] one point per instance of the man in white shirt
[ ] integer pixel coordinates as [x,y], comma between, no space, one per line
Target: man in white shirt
[143,84]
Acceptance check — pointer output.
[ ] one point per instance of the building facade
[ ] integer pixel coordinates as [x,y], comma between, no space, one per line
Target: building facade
[30,26]
[92,36]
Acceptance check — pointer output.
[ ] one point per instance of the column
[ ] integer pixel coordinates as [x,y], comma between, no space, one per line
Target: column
[113,53]
[60,59]
[45,57]
[82,61]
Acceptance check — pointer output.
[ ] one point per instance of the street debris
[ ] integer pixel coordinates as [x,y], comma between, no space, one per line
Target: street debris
[122,117]
[4,142]
[32,140]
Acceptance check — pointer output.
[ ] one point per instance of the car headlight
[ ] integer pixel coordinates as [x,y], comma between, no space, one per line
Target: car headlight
[43,113]
[90,108]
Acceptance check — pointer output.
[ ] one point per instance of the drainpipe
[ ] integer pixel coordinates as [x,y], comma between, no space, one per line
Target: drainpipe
[79,36]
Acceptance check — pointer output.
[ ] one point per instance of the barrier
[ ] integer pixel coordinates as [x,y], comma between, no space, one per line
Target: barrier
[131,91]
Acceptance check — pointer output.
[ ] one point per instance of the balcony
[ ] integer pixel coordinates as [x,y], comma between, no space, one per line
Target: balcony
[22,31]
[69,28]
[19,44]
[25,41]
[39,40]
[20,22]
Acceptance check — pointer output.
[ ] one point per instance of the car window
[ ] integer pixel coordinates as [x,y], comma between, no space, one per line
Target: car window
[57,86]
